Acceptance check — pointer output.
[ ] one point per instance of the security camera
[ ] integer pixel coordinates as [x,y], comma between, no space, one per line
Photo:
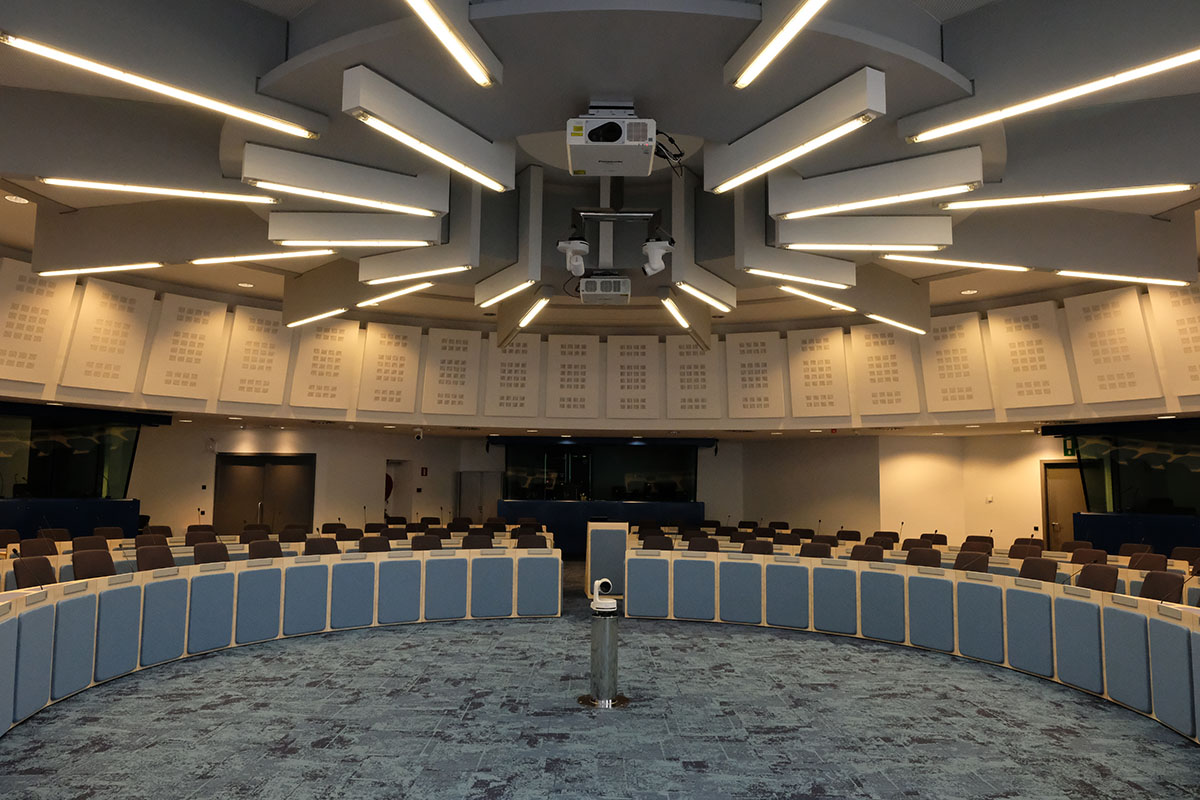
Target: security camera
[418,434]
[574,248]
[602,586]
[654,250]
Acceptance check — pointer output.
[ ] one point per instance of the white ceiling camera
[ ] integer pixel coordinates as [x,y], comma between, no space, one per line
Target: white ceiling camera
[654,250]
[575,250]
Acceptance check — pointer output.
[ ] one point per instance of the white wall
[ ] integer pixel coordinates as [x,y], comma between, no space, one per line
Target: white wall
[1008,470]
[921,485]
[719,481]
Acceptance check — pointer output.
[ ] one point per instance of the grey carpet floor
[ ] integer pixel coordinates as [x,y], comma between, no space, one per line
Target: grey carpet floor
[488,710]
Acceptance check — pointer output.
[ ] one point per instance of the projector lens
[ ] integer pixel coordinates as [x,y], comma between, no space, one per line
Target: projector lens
[608,132]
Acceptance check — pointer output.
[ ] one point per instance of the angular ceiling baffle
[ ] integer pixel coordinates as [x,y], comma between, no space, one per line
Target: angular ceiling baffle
[512,283]
[686,275]
[450,22]
[338,229]
[753,254]
[862,234]
[782,21]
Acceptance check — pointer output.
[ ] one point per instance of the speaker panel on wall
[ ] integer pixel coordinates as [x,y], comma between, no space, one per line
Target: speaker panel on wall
[573,377]
[110,337]
[1177,323]
[391,360]
[325,364]
[693,382]
[35,319]
[885,370]
[1111,347]
[953,365]
[451,373]
[514,377]
[817,369]
[260,349]
[1031,360]
[754,374]
[185,357]
[634,377]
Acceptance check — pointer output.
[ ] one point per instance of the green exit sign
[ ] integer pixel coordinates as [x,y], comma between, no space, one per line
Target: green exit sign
[1069,446]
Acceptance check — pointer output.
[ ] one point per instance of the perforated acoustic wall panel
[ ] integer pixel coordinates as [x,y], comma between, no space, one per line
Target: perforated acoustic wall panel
[817,369]
[110,336]
[189,344]
[693,382]
[754,374]
[260,349]
[634,377]
[573,377]
[1177,328]
[35,312]
[514,377]
[451,373]
[953,365]
[1030,358]
[325,363]
[391,362]
[885,370]
[1111,347]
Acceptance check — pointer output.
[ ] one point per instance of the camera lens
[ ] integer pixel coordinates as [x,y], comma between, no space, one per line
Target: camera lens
[608,132]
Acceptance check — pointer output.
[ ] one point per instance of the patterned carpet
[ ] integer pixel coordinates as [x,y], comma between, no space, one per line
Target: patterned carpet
[487,710]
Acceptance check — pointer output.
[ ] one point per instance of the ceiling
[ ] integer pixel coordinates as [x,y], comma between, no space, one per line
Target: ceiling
[668,57]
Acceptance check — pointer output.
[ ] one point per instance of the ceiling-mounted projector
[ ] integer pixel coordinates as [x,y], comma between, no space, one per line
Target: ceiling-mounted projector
[610,140]
[605,290]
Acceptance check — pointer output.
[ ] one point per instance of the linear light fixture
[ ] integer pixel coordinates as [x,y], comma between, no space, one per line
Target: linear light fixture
[862,247]
[951,262]
[669,304]
[844,129]
[163,191]
[450,40]
[157,87]
[703,296]
[429,151]
[1069,197]
[315,317]
[1104,276]
[1061,96]
[259,257]
[506,294]
[896,324]
[533,311]
[876,202]
[792,25]
[374,301]
[341,198]
[783,276]
[429,273]
[112,268]
[353,243]
[816,298]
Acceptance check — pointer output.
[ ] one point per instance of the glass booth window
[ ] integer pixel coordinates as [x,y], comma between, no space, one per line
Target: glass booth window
[55,456]
[554,471]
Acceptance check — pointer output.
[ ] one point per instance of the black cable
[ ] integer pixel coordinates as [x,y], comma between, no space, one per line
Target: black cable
[566,291]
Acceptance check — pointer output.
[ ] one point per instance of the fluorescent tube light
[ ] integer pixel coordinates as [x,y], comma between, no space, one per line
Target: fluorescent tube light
[374,301]
[429,273]
[795,22]
[506,294]
[325,315]
[703,296]
[950,262]
[451,41]
[157,87]
[791,155]
[259,257]
[163,191]
[914,248]
[1069,197]
[894,199]
[429,151]
[816,298]
[1060,96]
[1104,276]
[341,198]
[113,268]
[783,276]
[674,309]
[533,311]
[353,243]
[894,323]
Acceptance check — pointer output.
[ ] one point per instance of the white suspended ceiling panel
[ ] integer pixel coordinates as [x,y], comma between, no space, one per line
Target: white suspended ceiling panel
[325,364]
[390,368]
[188,348]
[692,378]
[451,373]
[634,377]
[110,336]
[754,374]
[885,370]
[573,377]
[514,377]
[817,369]
[260,349]
[954,366]
[1111,348]
[1177,328]
[35,310]
[1030,357]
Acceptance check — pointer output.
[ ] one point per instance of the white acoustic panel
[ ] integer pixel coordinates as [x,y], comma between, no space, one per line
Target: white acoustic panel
[1177,324]
[256,365]
[953,365]
[1031,361]
[325,362]
[885,370]
[451,373]
[35,311]
[514,377]
[634,377]
[1111,347]
[817,368]
[185,357]
[573,377]
[391,360]
[693,382]
[754,374]
[110,336]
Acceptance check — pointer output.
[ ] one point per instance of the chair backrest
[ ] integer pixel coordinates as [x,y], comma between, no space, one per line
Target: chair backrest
[527,521]
[57,534]
[916,544]
[804,533]
[778,525]
[531,541]
[89,543]
[1032,541]
[416,527]
[690,532]
[320,546]
[725,530]
[705,544]
[976,546]
[1151,562]
[265,548]
[784,537]
[109,532]
[936,538]
[1130,548]
[822,538]
[257,526]
[432,520]
[1101,577]
[1087,555]
[28,548]
[710,523]
[293,535]
[1163,586]
[476,541]
[330,527]
[200,527]
[893,535]
[816,550]
[441,533]
[975,537]
[210,552]
[33,572]
[9,536]
[426,542]
[765,533]
[764,547]
[458,527]
[149,540]
[741,536]
[642,532]
[1073,545]
[468,521]
[1023,551]
[1038,568]
[160,530]
[748,523]
[497,521]
[1188,554]
[848,535]
[348,534]
[394,533]
[971,560]
[92,564]
[253,535]
[882,542]
[390,520]
[374,527]
[374,544]
[866,552]
[658,542]
[522,530]
[923,557]
[193,538]
[154,556]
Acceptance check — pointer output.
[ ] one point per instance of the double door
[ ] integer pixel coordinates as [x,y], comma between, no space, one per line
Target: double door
[271,489]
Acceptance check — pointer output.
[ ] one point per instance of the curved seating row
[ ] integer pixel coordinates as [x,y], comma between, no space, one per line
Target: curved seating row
[68,637]
[1139,653]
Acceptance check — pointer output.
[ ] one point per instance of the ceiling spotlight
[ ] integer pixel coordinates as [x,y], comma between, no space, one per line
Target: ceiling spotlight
[969,291]
[574,248]
[184,421]
[1070,197]
[814,430]
[428,273]
[783,276]
[972,426]
[1027,430]
[374,301]
[260,257]
[1104,276]
[833,304]
[161,191]
[235,419]
[89,270]
[315,317]
[795,22]
[16,198]
[896,324]
[950,262]
[245,285]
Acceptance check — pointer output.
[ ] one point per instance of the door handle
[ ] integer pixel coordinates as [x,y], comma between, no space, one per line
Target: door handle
[1054,525]
[260,511]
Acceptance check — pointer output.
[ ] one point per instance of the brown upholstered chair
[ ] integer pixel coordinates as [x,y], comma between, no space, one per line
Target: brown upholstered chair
[1039,569]
[426,541]
[332,527]
[762,547]
[154,556]
[976,546]
[29,548]
[392,534]
[971,560]
[291,535]
[1166,587]
[374,527]
[1024,551]
[88,564]
[348,534]
[33,572]
[200,527]
[778,525]
[783,537]
[1101,577]
[866,552]
[847,535]
[194,538]
[478,541]
[265,548]
[804,533]
[375,544]
[109,532]
[704,544]
[531,541]
[8,536]
[210,552]
[57,534]
[914,544]
[882,542]
[1130,548]
[320,546]
[658,542]
[1073,545]
[816,550]
[149,540]
[253,535]
[923,557]
[821,538]
[1151,562]
[89,543]
[1087,555]
[936,538]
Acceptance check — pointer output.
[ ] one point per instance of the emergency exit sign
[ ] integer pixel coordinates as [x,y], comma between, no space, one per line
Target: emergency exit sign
[1069,446]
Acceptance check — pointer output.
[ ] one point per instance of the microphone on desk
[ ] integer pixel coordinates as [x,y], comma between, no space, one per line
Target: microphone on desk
[818,526]
[364,516]
[901,531]
[199,514]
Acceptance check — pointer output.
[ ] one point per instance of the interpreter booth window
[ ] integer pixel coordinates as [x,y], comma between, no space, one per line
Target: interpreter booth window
[557,471]
[1157,474]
